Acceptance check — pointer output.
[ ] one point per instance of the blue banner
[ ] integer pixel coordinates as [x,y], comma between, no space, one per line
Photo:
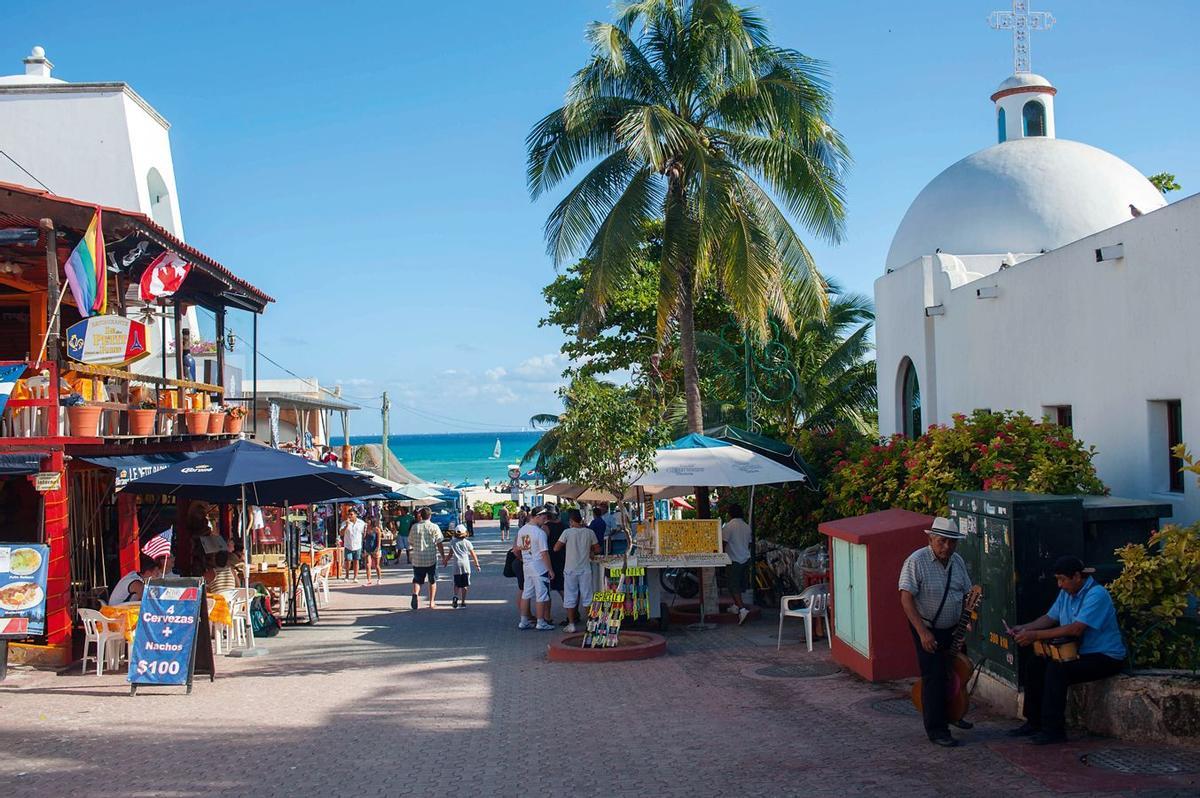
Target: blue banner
[23,568]
[165,638]
[8,380]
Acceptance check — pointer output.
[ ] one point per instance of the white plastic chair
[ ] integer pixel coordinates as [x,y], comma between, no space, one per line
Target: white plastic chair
[320,576]
[239,611]
[815,603]
[218,631]
[103,633]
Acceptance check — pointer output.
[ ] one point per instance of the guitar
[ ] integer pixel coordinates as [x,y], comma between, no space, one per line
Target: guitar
[959,666]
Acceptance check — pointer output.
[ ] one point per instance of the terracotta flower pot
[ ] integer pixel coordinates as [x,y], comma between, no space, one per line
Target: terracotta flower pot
[216,424]
[233,425]
[197,422]
[141,421]
[84,420]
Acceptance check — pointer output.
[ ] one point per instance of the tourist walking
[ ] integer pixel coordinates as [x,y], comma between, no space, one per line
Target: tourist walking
[535,559]
[505,520]
[469,518]
[933,583]
[464,553]
[353,530]
[370,549]
[578,544]
[403,524]
[425,547]
[736,534]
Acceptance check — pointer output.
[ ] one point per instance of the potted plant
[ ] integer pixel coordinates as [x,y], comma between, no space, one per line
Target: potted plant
[234,418]
[84,420]
[141,417]
[197,422]
[216,420]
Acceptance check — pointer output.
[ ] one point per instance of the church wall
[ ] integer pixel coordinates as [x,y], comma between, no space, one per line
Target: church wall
[150,144]
[900,332]
[75,143]
[1107,339]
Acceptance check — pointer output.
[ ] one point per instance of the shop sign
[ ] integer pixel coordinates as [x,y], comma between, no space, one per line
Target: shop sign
[45,481]
[107,341]
[172,632]
[689,536]
[23,568]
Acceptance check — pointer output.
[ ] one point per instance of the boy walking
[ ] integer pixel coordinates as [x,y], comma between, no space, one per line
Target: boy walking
[463,553]
[580,544]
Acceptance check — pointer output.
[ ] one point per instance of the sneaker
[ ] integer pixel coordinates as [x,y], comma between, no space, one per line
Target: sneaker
[413,603]
[733,609]
[525,624]
[570,629]
[454,602]
[542,626]
[743,614]
[1024,730]
[944,740]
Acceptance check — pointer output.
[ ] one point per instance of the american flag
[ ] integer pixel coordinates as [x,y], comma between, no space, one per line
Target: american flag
[158,546]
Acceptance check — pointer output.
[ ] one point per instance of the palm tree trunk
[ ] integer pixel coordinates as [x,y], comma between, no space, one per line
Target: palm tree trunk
[691,370]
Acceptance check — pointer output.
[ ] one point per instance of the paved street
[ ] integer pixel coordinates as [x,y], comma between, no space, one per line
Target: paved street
[381,700]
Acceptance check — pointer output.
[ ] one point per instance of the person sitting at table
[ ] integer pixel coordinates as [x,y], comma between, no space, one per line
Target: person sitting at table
[220,576]
[131,585]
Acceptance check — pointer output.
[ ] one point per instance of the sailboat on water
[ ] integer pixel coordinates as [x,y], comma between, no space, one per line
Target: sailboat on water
[496,451]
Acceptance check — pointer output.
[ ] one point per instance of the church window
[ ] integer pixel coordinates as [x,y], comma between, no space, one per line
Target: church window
[1059,414]
[911,401]
[1174,410]
[1002,125]
[1034,118]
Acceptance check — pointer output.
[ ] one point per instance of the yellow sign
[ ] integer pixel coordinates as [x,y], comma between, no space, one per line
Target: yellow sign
[691,536]
[45,481]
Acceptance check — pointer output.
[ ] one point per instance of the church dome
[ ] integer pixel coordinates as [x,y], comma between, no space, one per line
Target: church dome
[1021,196]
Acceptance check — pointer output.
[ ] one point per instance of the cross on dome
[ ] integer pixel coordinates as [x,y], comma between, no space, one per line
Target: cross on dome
[1021,21]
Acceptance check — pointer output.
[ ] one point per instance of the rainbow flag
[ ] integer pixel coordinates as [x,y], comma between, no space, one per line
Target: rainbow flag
[86,272]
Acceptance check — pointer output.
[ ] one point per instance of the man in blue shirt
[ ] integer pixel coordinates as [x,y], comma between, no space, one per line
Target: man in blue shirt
[1085,611]
[598,526]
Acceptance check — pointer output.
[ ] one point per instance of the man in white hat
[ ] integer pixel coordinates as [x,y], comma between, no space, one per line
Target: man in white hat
[933,584]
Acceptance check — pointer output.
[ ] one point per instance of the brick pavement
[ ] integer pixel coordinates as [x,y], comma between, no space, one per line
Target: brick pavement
[380,700]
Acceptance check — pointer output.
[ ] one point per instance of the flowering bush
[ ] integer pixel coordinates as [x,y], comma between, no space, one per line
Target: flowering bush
[985,451]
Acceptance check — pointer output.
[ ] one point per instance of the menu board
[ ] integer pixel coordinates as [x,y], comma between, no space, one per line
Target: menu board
[172,631]
[23,568]
[690,536]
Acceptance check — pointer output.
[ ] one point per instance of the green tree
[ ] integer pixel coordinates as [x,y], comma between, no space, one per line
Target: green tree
[689,114]
[1164,182]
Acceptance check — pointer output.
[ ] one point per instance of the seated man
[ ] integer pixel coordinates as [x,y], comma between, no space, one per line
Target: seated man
[131,585]
[1083,610]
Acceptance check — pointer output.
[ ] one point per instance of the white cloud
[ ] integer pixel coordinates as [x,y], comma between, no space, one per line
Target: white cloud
[496,374]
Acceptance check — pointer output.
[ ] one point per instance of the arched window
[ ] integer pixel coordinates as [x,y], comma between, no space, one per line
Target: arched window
[910,402]
[1002,124]
[1034,117]
[160,200]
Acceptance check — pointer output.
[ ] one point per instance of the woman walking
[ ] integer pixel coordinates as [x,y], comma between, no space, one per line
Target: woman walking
[370,550]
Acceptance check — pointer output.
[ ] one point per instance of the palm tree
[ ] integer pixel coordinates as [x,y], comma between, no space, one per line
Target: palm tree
[692,116]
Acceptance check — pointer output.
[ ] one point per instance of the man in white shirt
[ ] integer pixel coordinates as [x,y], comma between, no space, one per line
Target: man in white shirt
[580,544]
[352,540]
[532,546]
[737,535]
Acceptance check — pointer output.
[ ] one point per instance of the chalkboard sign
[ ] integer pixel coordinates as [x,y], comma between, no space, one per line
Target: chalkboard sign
[310,593]
[171,635]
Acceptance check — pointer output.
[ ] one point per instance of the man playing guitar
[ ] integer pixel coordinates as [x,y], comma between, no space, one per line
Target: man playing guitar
[933,583]
[1083,611]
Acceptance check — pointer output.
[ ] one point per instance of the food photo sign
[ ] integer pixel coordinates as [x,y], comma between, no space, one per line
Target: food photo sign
[23,568]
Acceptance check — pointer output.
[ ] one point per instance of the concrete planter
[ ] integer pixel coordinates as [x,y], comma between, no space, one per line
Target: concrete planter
[1149,706]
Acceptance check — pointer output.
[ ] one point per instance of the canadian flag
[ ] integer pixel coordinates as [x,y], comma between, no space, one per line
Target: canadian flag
[163,276]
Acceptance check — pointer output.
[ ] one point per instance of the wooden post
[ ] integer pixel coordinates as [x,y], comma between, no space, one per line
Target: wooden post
[220,380]
[52,326]
[179,354]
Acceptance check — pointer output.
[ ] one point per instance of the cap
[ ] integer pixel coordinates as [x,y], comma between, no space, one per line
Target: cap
[461,528]
[945,527]
[541,509]
[1069,564]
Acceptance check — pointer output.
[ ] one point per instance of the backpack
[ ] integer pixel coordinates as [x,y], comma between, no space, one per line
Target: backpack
[510,565]
[262,622]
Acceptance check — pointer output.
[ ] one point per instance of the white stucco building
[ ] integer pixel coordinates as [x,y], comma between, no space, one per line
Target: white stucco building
[1048,276]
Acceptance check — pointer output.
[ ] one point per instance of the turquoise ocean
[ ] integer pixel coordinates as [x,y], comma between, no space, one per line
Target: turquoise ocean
[456,457]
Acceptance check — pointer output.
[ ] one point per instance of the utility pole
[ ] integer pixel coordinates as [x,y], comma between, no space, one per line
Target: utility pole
[386,454]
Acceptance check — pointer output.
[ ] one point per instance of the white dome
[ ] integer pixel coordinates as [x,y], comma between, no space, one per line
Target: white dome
[1023,80]
[1021,196]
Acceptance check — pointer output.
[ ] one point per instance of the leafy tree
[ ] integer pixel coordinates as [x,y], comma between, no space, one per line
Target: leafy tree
[689,114]
[1164,182]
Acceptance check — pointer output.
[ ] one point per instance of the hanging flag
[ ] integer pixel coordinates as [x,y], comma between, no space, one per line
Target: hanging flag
[86,272]
[158,546]
[163,276]
[8,378]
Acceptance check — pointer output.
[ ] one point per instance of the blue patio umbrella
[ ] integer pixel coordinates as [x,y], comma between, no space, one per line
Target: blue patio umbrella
[466,485]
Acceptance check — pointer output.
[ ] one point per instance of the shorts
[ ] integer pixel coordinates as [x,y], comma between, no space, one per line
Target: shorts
[737,576]
[577,588]
[462,580]
[353,555]
[504,526]
[537,587]
[422,571]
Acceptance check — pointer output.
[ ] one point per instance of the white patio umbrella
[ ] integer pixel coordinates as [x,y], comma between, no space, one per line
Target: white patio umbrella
[696,460]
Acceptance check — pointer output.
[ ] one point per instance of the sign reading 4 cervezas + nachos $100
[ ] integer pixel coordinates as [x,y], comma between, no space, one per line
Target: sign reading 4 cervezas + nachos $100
[689,536]
[107,341]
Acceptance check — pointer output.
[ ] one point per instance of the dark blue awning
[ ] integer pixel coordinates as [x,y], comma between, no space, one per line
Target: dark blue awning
[133,466]
[18,463]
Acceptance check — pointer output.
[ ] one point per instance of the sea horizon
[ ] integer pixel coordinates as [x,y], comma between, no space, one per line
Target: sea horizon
[455,456]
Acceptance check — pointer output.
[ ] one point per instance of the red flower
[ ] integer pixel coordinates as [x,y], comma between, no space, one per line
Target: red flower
[866,499]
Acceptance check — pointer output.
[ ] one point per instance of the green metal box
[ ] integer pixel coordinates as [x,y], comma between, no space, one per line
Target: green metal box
[1012,541]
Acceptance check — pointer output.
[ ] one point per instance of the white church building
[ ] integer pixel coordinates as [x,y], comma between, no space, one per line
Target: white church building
[1048,276]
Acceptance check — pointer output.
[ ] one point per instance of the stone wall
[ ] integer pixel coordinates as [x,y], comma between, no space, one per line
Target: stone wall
[1151,706]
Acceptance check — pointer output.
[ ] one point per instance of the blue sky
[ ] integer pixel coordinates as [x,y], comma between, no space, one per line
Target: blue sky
[364,162]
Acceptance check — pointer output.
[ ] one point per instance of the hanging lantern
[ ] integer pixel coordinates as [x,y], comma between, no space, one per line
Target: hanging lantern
[230,340]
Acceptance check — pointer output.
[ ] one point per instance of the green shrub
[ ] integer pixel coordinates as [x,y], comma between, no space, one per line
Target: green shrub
[483,510]
[1151,595]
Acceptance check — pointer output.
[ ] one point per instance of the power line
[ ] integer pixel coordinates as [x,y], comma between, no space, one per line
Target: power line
[26,171]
